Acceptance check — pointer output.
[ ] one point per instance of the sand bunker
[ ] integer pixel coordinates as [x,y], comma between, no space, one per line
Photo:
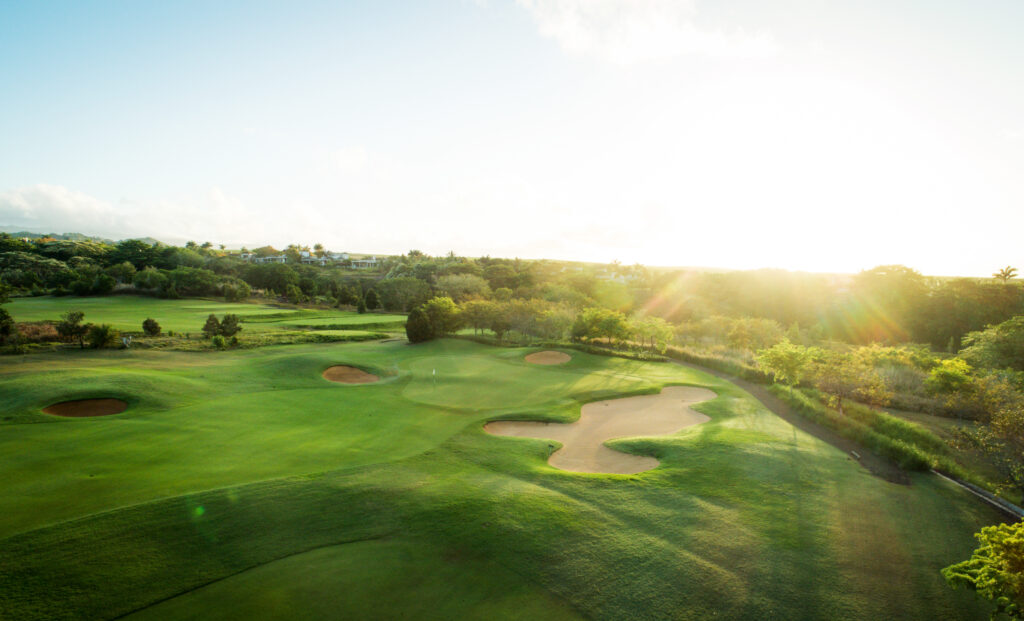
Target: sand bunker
[349,375]
[548,357]
[87,407]
[583,448]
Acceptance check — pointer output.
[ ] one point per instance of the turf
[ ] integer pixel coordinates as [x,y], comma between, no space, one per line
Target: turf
[337,581]
[126,313]
[241,479]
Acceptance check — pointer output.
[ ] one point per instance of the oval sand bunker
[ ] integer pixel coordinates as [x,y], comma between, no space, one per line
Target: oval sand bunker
[548,357]
[344,374]
[583,448]
[87,407]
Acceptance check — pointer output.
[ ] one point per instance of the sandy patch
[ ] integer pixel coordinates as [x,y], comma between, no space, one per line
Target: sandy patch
[349,375]
[548,357]
[87,407]
[583,448]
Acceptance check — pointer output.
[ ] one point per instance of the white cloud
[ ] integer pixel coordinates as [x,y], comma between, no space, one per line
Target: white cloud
[211,215]
[55,209]
[630,31]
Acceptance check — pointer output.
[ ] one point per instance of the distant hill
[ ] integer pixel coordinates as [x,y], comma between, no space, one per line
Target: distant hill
[71,236]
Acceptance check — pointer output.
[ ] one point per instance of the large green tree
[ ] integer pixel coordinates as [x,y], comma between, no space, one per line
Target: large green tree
[785,361]
[403,293]
[995,570]
[998,347]
[443,315]
[1001,436]
[461,287]
[477,313]
[417,327]
[845,376]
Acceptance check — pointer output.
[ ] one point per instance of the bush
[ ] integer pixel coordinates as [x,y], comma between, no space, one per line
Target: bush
[212,326]
[219,342]
[229,325]
[417,327]
[101,336]
[150,327]
[7,326]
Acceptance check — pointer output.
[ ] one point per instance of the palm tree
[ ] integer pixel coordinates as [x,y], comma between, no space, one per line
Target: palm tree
[1006,274]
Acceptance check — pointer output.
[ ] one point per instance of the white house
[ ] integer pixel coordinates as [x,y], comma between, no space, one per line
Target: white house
[362,264]
[275,259]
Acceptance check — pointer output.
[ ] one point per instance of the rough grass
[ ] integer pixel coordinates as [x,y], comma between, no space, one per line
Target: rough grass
[229,466]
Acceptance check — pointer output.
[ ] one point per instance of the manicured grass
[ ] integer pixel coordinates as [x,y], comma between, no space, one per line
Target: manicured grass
[127,312]
[247,472]
[358,580]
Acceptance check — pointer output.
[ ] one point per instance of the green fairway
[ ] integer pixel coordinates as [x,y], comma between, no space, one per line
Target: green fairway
[358,580]
[243,484]
[127,312]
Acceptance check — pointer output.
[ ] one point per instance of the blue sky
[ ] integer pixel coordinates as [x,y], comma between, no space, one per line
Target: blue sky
[825,136]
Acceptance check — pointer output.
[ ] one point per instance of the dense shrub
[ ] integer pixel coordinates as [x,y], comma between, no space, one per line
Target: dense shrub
[229,325]
[417,327]
[102,336]
[150,327]
[212,326]
[7,326]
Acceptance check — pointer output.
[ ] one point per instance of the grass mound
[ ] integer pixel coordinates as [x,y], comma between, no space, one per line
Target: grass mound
[83,408]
